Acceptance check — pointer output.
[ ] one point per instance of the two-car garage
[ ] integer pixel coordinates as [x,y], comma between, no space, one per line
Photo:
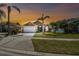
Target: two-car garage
[29,29]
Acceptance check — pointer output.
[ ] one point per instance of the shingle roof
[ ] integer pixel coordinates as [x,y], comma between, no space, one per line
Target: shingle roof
[29,24]
[37,22]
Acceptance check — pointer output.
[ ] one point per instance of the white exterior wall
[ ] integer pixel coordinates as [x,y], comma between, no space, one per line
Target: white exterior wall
[29,29]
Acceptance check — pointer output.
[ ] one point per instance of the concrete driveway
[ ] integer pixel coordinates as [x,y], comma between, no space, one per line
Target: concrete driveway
[27,34]
[21,41]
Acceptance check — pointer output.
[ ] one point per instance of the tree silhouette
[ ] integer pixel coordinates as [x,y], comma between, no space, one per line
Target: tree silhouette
[9,8]
[42,18]
[2,15]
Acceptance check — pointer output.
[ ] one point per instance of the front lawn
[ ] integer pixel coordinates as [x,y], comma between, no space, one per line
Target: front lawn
[56,35]
[56,46]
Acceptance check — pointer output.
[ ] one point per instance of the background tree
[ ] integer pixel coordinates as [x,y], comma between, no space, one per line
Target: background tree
[2,14]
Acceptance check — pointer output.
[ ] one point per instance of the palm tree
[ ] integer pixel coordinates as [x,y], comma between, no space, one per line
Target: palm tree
[2,14]
[17,23]
[42,18]
[9,11]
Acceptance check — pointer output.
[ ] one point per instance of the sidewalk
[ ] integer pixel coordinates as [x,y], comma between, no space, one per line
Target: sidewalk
[56,39]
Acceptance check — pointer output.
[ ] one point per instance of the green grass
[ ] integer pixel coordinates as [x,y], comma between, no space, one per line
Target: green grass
[56,46]
[57,35]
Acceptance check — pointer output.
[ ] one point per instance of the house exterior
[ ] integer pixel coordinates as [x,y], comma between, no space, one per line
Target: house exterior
[35,26]
[29,27]
[39,25]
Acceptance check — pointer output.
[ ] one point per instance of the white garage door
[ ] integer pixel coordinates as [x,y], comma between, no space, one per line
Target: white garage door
[29,29]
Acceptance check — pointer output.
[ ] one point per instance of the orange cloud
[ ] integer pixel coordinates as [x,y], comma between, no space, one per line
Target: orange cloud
[27,15]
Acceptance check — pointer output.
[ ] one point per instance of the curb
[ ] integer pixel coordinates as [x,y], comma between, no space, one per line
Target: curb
[29,53]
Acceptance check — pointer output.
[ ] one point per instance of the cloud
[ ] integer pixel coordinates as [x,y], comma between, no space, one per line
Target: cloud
[67,9]
[57,11]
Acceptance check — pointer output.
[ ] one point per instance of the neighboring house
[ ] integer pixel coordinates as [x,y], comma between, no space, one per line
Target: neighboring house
[13,27]
[1,26]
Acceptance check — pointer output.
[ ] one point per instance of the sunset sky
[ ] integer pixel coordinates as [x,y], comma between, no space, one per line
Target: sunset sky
[31,11]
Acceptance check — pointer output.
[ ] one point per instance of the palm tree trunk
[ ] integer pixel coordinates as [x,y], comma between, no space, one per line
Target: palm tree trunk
[1,25]
[8,20]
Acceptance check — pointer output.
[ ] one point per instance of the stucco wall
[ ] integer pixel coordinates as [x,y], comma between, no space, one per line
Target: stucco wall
[29,29]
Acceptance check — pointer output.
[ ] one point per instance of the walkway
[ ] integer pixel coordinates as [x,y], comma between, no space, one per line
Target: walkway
[66,39]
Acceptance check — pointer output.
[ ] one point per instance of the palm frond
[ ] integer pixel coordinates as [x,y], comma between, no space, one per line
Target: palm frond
[46,17]
[2,14]
[39,19]
[3,4]
[16,8]
[9,9]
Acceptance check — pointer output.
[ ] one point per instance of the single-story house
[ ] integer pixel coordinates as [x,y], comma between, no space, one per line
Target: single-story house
[29,27]
[34,26]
